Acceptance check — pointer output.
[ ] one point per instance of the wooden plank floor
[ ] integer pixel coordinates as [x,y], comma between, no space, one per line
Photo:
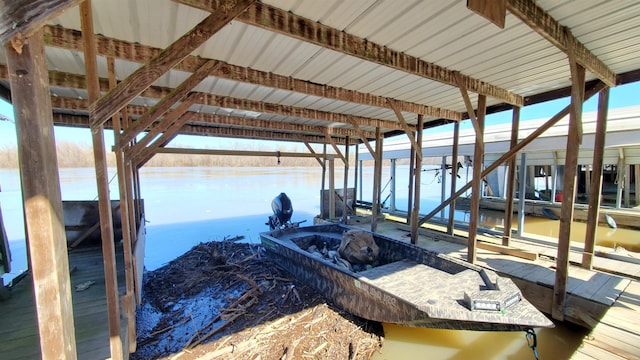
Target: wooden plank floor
[20,340]
[617,335]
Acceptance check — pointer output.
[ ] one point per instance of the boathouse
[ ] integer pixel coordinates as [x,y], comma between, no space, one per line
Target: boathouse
[336,73]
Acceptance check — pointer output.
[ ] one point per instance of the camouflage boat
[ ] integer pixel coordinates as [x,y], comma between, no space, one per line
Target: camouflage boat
[405,285]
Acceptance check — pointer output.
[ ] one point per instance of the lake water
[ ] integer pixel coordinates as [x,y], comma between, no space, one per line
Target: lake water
[185,206]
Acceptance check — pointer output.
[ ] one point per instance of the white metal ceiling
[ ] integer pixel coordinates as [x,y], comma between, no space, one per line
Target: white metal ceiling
[442,32]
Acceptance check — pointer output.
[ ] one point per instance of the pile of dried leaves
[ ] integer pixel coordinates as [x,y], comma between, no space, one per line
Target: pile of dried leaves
[228,300]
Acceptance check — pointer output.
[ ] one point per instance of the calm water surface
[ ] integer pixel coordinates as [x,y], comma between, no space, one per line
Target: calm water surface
[185,206]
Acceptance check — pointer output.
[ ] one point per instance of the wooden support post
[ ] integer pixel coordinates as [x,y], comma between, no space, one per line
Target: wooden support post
[636,168]
[454,176]
[332,189]
[392,187]
[415,213]
[412,182]
[522,192]
[568,186]
[476,181]
[620,168]
[443,183]
[104,202]
[512,152]
[627,184]
[377,174]
[345,193]
[511,178]
[124,220]
[355,179]
[44,225]
[595,187]
[324,177]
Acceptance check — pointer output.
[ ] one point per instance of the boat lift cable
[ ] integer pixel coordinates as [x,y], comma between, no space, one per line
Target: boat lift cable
[532,341]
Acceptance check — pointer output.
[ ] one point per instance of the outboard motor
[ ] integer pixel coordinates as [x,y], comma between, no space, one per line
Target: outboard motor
[282,211]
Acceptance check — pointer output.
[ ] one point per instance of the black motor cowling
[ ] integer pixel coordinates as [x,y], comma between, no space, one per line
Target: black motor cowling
[282,212]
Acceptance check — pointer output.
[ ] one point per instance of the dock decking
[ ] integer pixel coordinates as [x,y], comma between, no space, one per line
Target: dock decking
[606,300]
[19,333]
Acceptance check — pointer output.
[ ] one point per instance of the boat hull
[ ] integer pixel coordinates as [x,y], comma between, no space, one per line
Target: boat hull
[411,288]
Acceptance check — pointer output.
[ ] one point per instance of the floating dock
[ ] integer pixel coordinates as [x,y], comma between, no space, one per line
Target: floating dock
[605,300]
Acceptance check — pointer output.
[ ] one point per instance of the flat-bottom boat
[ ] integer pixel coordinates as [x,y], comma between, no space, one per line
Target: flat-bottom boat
[406,284]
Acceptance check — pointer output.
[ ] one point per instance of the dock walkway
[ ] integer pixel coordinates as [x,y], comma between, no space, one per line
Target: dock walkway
[606,300]
[19,333]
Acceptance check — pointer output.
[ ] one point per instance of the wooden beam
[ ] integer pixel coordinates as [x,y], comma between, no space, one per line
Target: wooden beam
[577,91]
[314,153]
[454,176]
[102,179]
[147,153]
[511,178]
[476,182]
[205,119]
[70,39]
[335,148]
[289,24]
[238,153]
[377,174]
[68,80]
[345,176]
[415,212]
[166,103]
[127,243]
[544,24]
[407,129]
[514,150]
[595,187]
[48,258]
[568,199]
[132,86]
[362,135]
[19,19]
[492,10]
[172,116]
[470,111]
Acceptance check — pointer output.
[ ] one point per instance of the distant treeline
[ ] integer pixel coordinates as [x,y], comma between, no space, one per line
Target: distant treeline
[72,155]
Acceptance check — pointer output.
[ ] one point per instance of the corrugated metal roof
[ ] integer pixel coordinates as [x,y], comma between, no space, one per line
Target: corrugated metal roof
[446,33]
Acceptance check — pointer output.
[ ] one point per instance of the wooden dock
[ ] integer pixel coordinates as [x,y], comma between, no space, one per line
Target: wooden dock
[605,300]
[617,335]
[19,333]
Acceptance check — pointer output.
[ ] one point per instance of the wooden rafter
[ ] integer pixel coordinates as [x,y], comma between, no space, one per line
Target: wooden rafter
[287,23]
[407,129]
[172,116]
[68,80]
[470,111]
[544,24]
[205,119]
[132,86]
[335,147]
[22,17]
[363,136]
[166,103]
[169,134]
[70,39]
[314,153]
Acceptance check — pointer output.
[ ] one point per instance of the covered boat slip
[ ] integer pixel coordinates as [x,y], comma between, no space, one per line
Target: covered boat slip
[328,73]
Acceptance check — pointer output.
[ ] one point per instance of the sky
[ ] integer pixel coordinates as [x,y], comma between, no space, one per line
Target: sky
[620,96]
